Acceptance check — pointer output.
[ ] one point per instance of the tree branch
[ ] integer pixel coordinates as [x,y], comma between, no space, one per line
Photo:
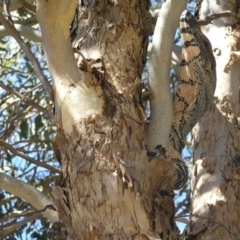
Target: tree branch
[14,214]
[55,18]
[72,87]
[14,5]
[182,220]
[159,67]
[31,160]
[27,100]
[7,231]
[29,193]
[176,56]
[28,6]
[214,16]
[25,31]
[36,66]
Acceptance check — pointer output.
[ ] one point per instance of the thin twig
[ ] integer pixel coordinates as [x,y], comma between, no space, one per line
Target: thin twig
[27,100]
[6,4]
[30,213]
[214,16]
[31,8]
[13,227]
[84,59]
[36,66]
[31,160]
[50,206]
[12,216]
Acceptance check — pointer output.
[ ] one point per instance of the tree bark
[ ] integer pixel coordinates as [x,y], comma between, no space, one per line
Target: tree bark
[106,156]
[216,175]
[101,121]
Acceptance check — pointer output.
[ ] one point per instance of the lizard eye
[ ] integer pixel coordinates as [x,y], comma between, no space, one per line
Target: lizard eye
[205,43]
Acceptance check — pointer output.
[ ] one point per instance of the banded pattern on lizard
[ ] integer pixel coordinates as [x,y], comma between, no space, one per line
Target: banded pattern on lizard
[197,82]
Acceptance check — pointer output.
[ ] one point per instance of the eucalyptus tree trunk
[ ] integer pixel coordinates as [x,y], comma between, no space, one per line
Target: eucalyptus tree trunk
[216,173]
[104,156]
[100,118]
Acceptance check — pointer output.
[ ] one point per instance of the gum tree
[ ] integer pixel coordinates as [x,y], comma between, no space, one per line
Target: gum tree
[95,53]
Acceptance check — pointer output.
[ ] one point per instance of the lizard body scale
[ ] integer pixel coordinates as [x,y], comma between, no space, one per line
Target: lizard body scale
[197,82]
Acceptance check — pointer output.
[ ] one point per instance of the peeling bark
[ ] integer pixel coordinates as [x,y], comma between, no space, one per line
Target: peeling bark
[216,175]
[216,141]
[105,156]
[101,121]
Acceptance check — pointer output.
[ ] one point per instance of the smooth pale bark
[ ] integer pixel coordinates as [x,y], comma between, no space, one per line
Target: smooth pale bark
[72,87]
[216,175]
[159,69]
[25,31]
[14,5]
[23,190]
[159,173]
[176,56]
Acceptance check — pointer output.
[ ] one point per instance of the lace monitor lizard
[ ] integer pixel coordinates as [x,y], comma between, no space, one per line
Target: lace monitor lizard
[197,81]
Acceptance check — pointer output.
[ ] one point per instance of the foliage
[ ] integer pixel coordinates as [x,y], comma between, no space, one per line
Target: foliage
[26,129]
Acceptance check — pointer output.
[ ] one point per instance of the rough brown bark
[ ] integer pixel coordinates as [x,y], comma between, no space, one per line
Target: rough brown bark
[216,142]
[105,156]
[216,175]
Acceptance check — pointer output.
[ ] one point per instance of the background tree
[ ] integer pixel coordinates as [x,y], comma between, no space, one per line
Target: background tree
[215,176]
[103,153]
